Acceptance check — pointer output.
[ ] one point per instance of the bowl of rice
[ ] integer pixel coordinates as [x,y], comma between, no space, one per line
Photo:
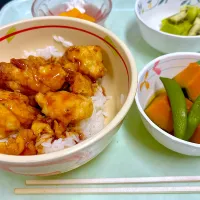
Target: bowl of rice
[101,112]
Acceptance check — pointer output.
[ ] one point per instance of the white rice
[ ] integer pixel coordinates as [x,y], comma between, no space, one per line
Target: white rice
[49,51]
[89,126]
[95,123]
[45,53]
[59,144]
[61,40]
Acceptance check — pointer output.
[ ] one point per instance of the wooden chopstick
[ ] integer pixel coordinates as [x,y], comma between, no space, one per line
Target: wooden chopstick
[169,179]
[131,190]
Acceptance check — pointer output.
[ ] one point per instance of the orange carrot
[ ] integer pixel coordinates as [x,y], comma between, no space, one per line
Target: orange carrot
[77,14]
[71,13]
[196,136]
[184,77]
[87,17]
[159,111]
[188,104]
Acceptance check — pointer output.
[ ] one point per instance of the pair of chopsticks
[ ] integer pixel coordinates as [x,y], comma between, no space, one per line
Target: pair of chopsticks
[114,190]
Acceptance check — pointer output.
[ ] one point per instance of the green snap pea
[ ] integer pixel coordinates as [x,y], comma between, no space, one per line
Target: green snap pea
[193,119]
[178,106]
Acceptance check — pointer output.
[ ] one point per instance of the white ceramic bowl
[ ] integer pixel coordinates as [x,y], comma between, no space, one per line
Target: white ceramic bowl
[148,83]
[149,16]
[121,78]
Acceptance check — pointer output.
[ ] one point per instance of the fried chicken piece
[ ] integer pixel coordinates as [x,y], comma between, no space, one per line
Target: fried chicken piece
[7,95]
[64,106]
[24,112]
[29,141]
[23,144]
[31,75]
[89,59]
[18,105]
[20,80]
[30,149]
[79,84]
[49,73]
[47,130]
[14,146]
[52,75]
[43,131]
[70,66]
[8,123]
[59,129]
[42,125]
[45,125]
[32,101]
[82,85]
[67,65]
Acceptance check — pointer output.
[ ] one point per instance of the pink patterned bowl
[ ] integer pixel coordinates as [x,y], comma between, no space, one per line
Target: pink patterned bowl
[167,66]
[121,79]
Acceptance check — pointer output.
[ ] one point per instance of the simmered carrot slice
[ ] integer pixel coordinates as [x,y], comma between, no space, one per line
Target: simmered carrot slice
[188,104]
[196,136]
[77,14]
[159,111]
[87,17]
[193,88]
[71,13]
[189,73]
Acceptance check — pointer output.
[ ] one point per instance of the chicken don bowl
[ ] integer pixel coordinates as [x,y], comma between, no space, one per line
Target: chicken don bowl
[65,87]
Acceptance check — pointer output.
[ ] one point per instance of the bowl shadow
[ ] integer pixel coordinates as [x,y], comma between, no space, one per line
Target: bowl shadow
[137,43]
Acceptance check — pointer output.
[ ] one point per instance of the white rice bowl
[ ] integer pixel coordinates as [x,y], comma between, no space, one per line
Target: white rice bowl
[89,126]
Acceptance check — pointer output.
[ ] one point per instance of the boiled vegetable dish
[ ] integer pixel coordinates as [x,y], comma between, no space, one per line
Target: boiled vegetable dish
[177,109]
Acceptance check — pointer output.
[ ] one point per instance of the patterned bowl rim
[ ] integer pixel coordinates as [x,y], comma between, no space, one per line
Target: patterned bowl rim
[141,74]
[158,31]
[115,121]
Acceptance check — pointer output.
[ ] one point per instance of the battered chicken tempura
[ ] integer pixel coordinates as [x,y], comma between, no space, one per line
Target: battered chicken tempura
[89,59]
[15,112]
[23,144]
[79,84]
[64,106]
[31,75]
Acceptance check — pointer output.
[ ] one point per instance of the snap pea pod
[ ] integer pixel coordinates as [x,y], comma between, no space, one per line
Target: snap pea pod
[193,119]
[178,106]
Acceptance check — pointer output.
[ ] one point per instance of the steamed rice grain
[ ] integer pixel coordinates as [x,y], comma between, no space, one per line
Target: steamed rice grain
[49,51]
[45,53]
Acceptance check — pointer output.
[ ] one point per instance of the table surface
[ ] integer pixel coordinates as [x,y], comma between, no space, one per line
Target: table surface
[133,152]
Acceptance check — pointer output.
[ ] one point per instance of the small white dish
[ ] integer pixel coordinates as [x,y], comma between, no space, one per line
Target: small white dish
[148,83]
[149,15]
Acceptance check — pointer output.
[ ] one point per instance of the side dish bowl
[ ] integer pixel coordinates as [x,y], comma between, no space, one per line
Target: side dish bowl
[149,15]
[98,9]
[120,81]
[149,83]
